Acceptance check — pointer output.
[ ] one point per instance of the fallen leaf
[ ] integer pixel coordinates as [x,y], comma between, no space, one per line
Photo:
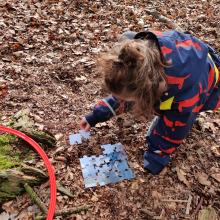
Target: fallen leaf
[203,179]
[216,150]
[81,78]
[156,195]
[181,176]
[94,198]
[208,213]
[209,126]
[58,136]
[216,176]
[60,158]
[6,216]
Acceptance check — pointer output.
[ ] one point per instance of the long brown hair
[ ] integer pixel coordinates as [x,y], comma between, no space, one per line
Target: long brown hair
[134,68]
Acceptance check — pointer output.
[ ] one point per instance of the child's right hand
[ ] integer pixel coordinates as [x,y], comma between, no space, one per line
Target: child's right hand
[85,125]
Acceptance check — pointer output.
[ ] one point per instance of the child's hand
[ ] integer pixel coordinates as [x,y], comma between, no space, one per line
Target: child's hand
[85,125]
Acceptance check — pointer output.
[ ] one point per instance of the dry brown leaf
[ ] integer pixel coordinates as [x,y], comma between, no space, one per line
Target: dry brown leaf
[216,150]
[210,126]
[94,198]
[181,176]
[156,195]
[60,158]
[58,136]
[216,176]
[203,179]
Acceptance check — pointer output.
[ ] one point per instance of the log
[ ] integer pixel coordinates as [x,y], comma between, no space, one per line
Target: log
[11,183]
[23,122]
[13,173]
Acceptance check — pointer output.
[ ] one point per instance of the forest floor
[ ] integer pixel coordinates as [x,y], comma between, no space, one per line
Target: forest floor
[47,56]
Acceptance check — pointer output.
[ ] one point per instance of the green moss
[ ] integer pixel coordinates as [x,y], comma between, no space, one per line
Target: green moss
[10,187]
[6,196]
[8,157]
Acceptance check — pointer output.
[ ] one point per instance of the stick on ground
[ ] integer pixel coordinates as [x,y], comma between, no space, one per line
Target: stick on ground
[35,198]
[67,212]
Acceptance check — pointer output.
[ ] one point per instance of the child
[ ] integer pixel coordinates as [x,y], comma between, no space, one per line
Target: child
[171,74]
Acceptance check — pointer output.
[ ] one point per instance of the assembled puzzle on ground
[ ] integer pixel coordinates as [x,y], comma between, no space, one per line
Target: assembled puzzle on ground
[111,167]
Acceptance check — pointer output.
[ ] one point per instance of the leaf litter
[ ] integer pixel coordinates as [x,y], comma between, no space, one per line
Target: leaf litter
[47,56]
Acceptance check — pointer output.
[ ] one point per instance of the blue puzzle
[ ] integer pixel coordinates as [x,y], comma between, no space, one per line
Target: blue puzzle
[79,137]
[111,167]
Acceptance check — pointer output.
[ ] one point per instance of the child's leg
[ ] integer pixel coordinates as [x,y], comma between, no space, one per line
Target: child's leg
[152,125]
[151,156]
[165,134]
[213,101]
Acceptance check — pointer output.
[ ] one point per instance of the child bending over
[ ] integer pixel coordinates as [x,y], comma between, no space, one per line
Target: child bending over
[170,74]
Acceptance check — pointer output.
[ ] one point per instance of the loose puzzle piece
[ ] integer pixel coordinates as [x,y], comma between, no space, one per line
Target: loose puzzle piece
[111,167]
[77,138]
[84,134]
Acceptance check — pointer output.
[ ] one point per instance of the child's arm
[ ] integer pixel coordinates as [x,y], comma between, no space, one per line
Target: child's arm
[106,109]
[167,134]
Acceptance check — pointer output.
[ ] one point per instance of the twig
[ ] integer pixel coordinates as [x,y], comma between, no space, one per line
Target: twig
[161,215]
[164,19]
[72,211]
[67,212]
[152,12]
[64,190]
[148,212]
[198,207]
[35,198]
[174,200]
[40,218]
[188,204]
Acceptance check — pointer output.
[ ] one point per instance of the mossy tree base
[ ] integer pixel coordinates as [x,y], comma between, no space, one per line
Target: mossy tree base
[13,154]
[12,181]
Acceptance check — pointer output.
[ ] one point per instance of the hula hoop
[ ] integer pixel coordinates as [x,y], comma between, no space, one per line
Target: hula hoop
[49,167]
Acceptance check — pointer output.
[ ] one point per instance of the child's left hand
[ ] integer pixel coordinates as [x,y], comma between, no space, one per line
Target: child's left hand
[85,125]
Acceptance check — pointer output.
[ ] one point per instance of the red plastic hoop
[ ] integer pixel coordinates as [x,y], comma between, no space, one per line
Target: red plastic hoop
[53,189]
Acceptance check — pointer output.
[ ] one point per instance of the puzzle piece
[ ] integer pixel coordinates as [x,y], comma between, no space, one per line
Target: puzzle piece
[123,165]
[128,174]
[108,148]
[78,137]
[87,161]
[119,147]
[75,139]
[84,134]
[111,167]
